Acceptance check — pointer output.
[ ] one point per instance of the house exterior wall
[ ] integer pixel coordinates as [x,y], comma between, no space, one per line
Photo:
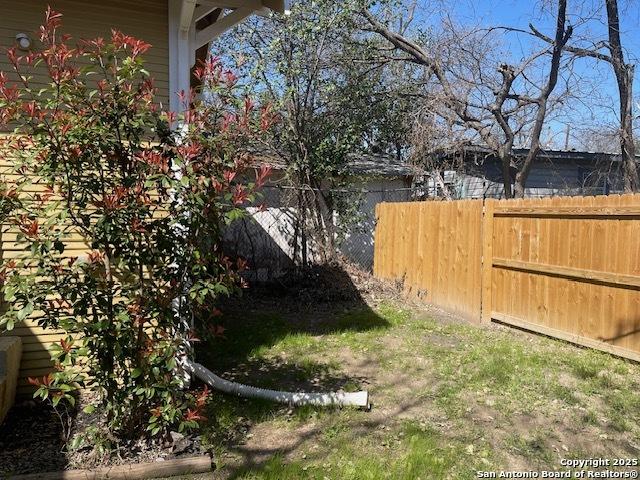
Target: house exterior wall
[145,19]
[565,177]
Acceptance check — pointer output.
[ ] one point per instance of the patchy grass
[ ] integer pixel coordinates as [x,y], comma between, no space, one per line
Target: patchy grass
[449,398]
[411,452]
[532,446]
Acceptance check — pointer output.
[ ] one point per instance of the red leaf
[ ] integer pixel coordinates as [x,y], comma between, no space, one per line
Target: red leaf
[29,227]
[34,381]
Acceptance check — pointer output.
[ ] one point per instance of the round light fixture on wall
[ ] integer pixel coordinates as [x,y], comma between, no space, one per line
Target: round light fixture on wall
[23,41]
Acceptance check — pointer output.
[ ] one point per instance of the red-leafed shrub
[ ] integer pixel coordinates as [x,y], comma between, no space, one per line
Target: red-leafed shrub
[148,191]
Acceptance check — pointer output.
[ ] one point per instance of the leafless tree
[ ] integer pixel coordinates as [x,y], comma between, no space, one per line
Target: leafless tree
[468,98]
[624,73]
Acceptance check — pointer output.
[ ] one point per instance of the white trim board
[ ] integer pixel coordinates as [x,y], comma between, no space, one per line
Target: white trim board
[184,40]
[230,20]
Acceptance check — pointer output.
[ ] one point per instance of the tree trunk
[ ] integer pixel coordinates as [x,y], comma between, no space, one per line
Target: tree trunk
[519,186]
[506,177]
[561,38]
[302,223]
[326,224]
[505,159]
[627,145]
[624,77]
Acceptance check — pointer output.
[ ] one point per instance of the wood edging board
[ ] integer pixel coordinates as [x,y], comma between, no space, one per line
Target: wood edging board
[167,468]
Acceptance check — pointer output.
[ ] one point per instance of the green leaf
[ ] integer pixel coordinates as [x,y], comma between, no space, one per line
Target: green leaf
[77,442]
[25,311]
[9,293]
[171,364]
[59,246]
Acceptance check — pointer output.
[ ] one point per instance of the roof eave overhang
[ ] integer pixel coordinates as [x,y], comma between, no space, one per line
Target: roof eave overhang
[194,24]
[236,11]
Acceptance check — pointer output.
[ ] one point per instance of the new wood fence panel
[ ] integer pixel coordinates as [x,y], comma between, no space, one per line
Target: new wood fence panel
[568,267]
[564,266]
[432,235]
[435,248]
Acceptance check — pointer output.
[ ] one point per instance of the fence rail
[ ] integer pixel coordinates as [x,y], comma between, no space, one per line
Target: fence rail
[567,267]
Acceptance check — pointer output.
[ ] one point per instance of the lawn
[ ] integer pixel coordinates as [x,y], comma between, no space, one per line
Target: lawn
[449,398]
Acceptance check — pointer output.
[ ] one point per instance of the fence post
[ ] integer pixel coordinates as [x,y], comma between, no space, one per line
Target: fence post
[487,259]
[376,241]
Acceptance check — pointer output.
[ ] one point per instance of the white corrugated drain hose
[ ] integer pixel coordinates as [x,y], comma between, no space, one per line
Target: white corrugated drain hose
[339,399]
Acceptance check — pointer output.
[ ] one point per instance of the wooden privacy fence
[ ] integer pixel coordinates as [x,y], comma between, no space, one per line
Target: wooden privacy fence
[568,267]
[435,247]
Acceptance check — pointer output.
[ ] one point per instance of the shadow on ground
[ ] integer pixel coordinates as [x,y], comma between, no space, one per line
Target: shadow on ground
[270,456]
[323,300]
[31,440]
[294,311]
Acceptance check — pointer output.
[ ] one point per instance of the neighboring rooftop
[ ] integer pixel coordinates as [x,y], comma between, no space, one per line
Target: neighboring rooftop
[380,166]
[359,164]
[568,155]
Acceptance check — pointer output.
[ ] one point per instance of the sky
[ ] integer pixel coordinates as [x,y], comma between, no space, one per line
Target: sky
[596,108]
[519,13]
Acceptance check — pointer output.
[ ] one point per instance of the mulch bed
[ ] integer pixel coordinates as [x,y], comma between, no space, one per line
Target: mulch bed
[31,440]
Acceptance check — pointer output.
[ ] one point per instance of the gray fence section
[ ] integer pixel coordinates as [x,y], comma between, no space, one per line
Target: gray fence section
[268,240]
[357,242]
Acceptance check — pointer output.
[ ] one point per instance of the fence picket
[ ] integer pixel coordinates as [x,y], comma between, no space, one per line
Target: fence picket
[568,267]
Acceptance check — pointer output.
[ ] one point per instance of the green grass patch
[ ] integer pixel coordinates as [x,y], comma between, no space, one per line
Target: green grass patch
[411,452]
[465,374]
[590,418]
[565,394]
[532,447]
[258,335]
[502,367]
[623,408]
[586,367]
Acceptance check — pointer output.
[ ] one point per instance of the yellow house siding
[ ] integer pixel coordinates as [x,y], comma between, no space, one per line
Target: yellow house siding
[35,340]
[145,19]
[85,19]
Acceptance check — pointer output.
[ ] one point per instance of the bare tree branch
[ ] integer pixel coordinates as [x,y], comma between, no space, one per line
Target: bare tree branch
[507,109]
